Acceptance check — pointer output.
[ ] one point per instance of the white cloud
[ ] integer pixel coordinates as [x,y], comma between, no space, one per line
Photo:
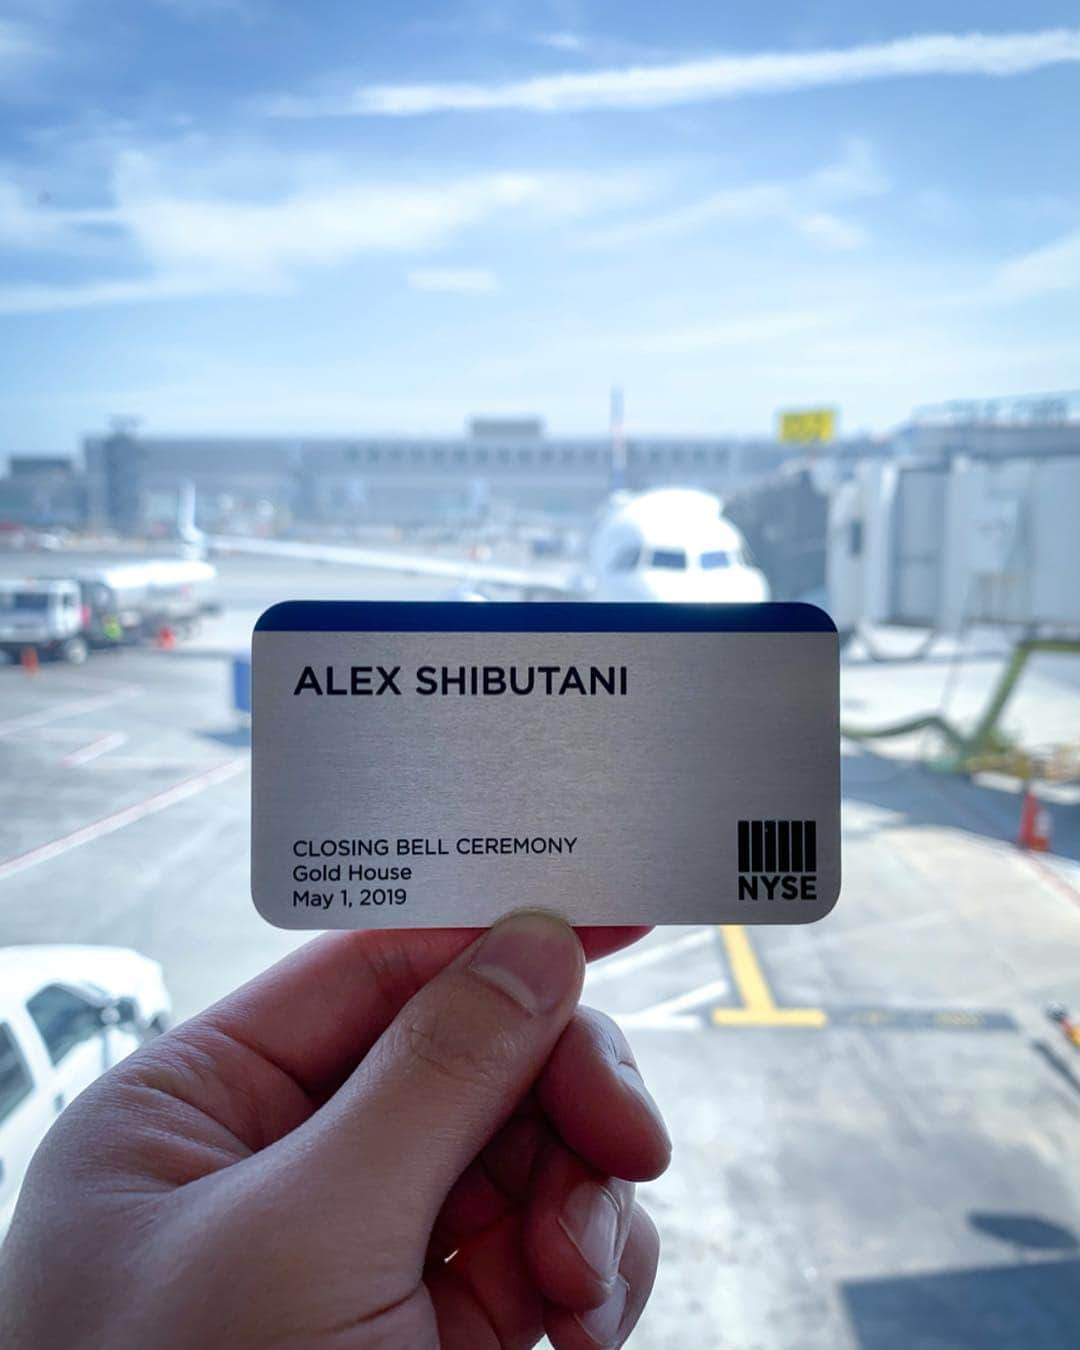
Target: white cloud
[316,228]
[854,176]
[174,218]
[1054,267]
[831,231]
[455,280]
[564,41]
[45,299]
[807,204]
[717,77]
[28,222]
[751,203]
[742,331]
[23,223]
[18,46]
[328,225]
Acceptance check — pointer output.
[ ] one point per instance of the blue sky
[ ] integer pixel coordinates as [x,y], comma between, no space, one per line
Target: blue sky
[264,216]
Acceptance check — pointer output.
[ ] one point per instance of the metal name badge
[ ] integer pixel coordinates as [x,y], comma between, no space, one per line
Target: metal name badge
[436,765]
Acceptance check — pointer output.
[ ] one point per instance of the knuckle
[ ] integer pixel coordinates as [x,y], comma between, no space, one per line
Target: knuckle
[602,1035]
[452,1046]
[608,1033]
[645,1234]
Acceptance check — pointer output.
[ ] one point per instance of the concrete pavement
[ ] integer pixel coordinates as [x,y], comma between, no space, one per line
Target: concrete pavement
[877,1133]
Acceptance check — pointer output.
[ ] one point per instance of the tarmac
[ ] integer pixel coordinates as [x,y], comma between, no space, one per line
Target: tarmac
[876,1129]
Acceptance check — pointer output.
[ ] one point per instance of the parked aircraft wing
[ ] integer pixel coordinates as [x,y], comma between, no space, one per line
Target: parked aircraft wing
[534,580]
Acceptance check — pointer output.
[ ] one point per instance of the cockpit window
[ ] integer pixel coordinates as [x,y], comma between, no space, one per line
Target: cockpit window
[626,559]
[717,557]
[673,559]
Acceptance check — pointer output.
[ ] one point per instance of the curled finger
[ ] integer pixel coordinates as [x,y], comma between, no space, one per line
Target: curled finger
[593,1093]
[575,1228]
[611,1322]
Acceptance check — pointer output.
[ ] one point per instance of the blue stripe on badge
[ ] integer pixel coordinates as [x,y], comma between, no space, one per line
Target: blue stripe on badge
[497,616]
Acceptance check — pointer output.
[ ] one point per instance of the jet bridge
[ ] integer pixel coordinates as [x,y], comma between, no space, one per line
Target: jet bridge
[942,545]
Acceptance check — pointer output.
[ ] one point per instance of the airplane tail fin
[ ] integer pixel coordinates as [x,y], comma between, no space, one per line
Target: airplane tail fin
[186,529]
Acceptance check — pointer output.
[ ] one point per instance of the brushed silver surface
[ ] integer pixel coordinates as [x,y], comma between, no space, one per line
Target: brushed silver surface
[715,728]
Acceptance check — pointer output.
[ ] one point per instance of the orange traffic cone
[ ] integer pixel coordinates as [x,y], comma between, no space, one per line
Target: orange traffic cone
[166,638]
[28,659]
[1058,1013]
[1034,823]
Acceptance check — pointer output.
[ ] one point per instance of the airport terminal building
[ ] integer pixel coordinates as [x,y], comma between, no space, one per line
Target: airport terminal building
[499,466]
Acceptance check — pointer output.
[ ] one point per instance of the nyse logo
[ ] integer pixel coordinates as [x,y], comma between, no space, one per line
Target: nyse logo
[777,860]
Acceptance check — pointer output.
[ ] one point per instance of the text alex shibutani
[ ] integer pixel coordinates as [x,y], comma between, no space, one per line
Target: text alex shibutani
[483,681]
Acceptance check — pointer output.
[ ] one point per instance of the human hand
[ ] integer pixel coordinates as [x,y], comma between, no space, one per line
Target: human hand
[388,1139]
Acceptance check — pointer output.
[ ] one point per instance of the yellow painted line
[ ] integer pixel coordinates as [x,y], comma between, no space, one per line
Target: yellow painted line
[769,1017]
[759,1008]
[749,977]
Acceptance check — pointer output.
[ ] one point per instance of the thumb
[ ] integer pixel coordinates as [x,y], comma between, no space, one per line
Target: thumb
[441,1080]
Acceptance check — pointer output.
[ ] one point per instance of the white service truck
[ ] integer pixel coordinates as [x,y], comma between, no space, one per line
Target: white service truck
[47,616]
[66,616]
[134,600]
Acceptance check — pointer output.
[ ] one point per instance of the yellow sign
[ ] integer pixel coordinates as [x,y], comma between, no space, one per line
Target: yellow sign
[808,425]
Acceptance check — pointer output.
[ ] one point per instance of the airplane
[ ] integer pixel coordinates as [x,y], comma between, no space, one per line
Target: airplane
[673,545]
[666,544]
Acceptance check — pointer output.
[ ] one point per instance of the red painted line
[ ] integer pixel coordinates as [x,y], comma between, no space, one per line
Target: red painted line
[158,801]
[1052,877]
[100,745]
[72,709]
